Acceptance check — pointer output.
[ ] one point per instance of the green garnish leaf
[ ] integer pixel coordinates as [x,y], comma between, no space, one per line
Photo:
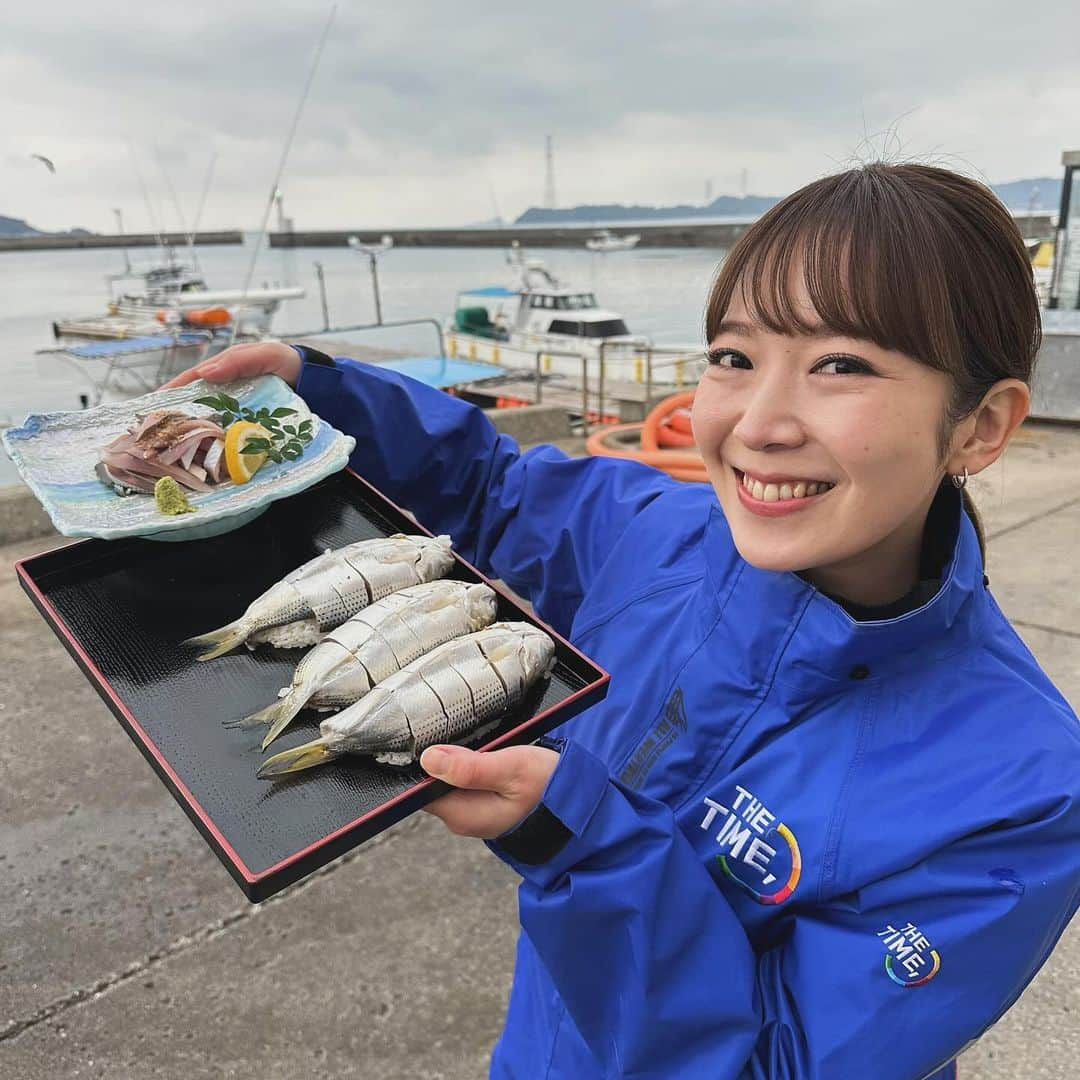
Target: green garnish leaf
[283,412]
[230,403]
[291,430]
[274,455]
[213,400]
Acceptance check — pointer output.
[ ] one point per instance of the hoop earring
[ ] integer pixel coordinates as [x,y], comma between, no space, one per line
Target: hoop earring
[960,481]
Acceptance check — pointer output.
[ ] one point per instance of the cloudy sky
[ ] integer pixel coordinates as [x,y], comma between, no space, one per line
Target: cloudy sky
[429,113]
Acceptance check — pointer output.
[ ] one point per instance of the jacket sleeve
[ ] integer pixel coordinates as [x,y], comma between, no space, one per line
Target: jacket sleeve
[540,521]
[892,981]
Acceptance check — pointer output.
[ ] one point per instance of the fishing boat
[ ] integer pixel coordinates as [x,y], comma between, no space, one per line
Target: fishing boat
[605,240]
[158,322]
[539,315]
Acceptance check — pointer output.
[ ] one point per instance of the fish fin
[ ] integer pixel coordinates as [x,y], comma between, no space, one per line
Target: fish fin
[305,756]
[279,716]
[220,641]
[264,716]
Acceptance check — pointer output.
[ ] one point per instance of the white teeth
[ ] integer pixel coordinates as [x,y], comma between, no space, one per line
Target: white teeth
[781,492]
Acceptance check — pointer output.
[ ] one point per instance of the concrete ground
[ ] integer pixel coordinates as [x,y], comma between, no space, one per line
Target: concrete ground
[127,952]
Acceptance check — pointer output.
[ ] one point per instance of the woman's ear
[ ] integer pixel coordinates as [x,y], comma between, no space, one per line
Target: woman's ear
[982,437]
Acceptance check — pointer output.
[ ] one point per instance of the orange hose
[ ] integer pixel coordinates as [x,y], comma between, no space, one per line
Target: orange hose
[664,446]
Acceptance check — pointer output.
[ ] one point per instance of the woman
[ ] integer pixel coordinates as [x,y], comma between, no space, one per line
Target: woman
[826,822]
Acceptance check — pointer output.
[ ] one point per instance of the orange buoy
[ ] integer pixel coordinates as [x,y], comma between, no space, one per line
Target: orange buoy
[207,317]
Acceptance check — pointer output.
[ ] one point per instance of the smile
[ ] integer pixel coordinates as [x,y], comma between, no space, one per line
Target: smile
[781,490]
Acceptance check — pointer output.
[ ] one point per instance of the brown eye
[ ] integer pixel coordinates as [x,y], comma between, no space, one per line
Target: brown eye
[848,365]
[729,358]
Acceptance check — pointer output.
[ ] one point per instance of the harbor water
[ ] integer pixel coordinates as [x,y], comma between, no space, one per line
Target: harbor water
[660,292]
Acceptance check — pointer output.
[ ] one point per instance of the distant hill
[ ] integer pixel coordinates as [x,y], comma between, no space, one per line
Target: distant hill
[724,206]
[1039,193]
[10,226]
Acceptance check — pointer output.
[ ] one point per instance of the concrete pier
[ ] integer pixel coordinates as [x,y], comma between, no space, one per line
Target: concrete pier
[104,240]
[705,234]
[128,952]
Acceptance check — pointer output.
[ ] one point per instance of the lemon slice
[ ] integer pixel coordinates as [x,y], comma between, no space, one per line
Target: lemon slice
[242,467]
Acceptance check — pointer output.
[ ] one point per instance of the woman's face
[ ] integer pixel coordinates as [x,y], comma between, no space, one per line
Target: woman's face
[780,413]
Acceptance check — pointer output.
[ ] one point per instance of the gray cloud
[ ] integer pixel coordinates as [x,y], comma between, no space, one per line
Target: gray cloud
[417,104]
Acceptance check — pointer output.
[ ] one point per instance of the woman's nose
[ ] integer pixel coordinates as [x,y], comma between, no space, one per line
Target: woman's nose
[769,419]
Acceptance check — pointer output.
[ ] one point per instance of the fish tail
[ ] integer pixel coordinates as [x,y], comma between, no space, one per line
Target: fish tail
[279,716]
[220,641]
[305,756]
[267,715]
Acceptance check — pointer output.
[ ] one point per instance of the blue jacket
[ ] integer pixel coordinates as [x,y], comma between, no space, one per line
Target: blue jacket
[800,846]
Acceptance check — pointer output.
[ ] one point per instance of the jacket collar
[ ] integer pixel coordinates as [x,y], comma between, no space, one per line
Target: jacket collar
[789,630]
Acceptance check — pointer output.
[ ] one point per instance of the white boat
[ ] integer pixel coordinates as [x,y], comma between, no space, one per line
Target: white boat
[159,321]
[143,302]
[606,240]
[544,320]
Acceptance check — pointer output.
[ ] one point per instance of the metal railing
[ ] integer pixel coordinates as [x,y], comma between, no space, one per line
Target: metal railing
[357,327]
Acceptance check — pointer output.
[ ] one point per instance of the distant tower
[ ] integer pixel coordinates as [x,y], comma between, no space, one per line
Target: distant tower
[708,192]
[549,182]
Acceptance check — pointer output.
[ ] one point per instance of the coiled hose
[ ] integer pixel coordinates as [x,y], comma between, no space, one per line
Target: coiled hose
[664,440]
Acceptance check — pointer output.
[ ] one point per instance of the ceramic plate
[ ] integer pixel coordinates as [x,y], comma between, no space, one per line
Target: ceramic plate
[55,454]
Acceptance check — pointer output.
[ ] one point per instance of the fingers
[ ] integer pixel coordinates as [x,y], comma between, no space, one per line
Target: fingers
[497,790]
[244,361]
[480,814]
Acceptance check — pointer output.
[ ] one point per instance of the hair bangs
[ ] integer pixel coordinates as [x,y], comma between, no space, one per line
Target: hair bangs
[868,271]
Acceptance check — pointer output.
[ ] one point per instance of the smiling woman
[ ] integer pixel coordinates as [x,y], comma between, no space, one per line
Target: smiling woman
[873,332]
[826,824]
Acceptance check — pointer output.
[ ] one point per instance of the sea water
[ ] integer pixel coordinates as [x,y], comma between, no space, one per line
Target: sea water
[660,292]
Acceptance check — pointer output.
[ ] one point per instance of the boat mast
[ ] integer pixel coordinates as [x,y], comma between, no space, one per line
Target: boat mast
[281,164]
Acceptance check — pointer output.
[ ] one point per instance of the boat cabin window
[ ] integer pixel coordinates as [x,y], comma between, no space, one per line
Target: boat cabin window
[601,328]
[581,301]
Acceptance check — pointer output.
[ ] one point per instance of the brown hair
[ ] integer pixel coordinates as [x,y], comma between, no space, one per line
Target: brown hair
[911,257]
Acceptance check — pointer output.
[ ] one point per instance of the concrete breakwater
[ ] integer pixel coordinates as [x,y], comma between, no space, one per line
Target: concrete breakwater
[704,234]
[106,240]
[718,235]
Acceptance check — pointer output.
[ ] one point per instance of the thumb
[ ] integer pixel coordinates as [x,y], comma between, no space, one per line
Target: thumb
[461,767]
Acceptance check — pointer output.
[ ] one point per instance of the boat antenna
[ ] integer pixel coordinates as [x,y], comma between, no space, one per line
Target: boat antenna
[281,164]
[199,212]
[172,189]
[146,195]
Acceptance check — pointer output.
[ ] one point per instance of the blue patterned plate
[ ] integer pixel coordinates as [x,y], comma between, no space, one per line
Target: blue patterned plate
[55,454]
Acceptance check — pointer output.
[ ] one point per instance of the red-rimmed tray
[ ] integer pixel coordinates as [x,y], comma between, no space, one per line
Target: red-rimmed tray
[122,609]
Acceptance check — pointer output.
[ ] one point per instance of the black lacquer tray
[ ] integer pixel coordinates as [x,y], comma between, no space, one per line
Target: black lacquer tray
[122,608]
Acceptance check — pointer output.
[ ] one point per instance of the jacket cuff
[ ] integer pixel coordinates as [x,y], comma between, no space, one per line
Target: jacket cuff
[312,356]
[573,793]
[320,385]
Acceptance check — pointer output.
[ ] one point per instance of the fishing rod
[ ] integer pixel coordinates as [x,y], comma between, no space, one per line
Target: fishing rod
[281,164]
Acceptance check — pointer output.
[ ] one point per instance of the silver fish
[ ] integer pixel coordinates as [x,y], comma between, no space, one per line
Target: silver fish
[445,696]
[329,589]
[376,642]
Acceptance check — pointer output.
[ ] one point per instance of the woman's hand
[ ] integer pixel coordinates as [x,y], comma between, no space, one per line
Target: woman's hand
[499,789]
[244,362]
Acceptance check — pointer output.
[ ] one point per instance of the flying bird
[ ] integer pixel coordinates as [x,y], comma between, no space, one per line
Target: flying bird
[47,163]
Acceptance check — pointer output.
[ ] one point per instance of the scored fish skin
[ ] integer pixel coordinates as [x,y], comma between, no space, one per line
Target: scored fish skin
[382,642]
[444,696]
[327,590]
[376,642]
